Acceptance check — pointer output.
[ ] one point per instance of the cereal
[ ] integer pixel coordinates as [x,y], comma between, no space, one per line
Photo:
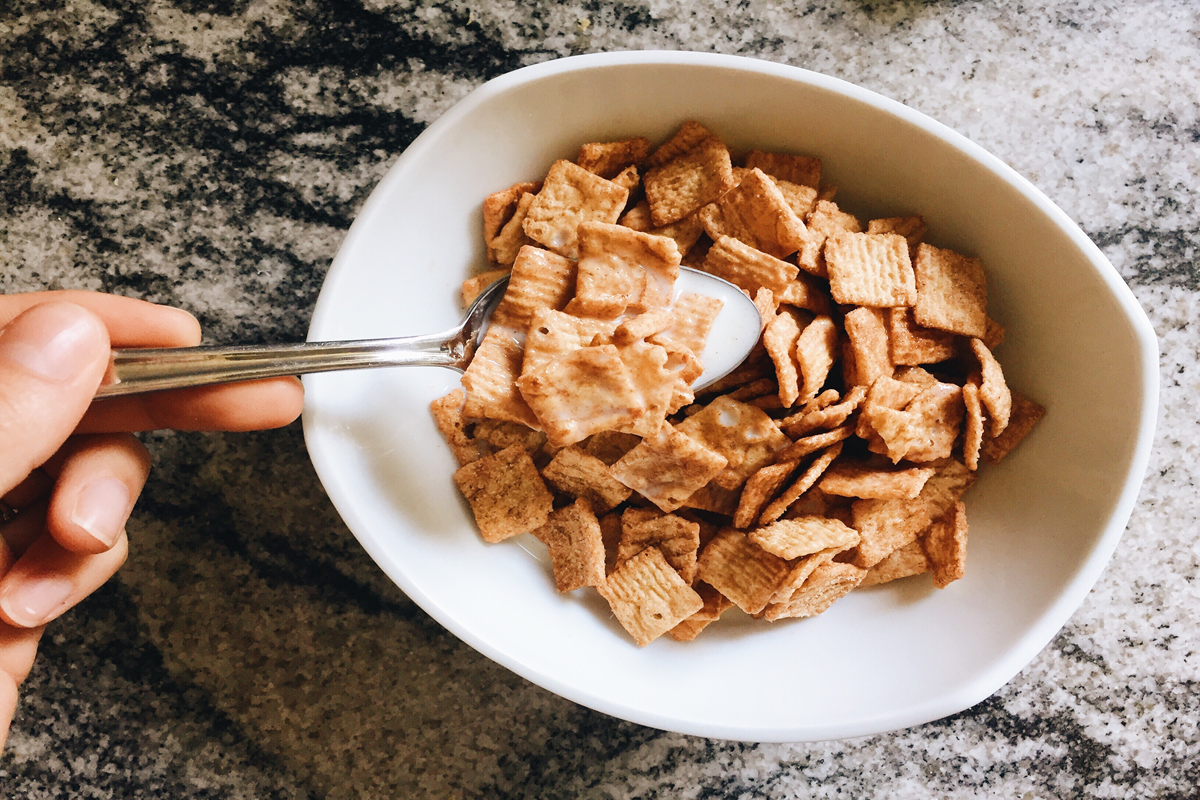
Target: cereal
[747,268]
[740,570]
[782,486]
[803,536]
[743,435]
[506,494]
[688,181]
[648,597]
[803,170]
[676,537]
[951,292]
[902,563]
[572,535]
[574,472]
[609,159]
[668,468]
[870,269]
[571,195]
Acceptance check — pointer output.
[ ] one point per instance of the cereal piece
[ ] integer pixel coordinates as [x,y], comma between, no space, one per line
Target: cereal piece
[668,468]
[801,198]
[827,584]
[686,232]
[740,570]
[748,268]
[690,134]
[572,535]
[576,473]
[803,170]
[824,220]
[1025,415]
[648,597]
[780,338]
[571,195]
[973,431]
[628,179]
[490,380]
[498,208]
[756,389]
[742,434]
[503,433]
[753,369]
[851,479]
[506,494]
[472,287]
[610,446]
[503,248]
[946,546]
[677,538]
[946,487]
[886,394]
[870,270]
[801,569]
[951,292]
[714,499]
[756,213]
[868,336]
[806,481]
[994,392]
[917,375]
[610,533]
[448,416]
[816,350]
[694,317]
[540,279]
[768,402]
[911,228]
[802,536]
[901,563]
[620,268]
[643,326]
[827,417]
[554,333]
[715,604]
[885,526]
[810,444]
[913,344]
[806,292]
[827,193]
[688,181]
[994,335]
[647,367]
[608,159]
[582,392]
[925,430]
[759,489]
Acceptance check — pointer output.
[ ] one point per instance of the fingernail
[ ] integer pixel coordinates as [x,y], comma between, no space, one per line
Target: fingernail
[34,600]
[55,340]
[102,508]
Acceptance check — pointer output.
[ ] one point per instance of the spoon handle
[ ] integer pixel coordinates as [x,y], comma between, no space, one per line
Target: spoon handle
[150,370]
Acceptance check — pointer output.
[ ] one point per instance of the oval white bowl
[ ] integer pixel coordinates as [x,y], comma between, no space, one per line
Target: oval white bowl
[1043,523]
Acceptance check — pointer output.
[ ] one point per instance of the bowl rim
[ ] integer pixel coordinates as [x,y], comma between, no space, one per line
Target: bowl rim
[1029,644]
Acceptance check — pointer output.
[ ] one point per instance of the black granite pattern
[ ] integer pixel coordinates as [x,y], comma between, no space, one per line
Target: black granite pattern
[212,153]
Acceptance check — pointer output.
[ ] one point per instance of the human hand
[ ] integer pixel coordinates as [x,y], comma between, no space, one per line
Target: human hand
[72,467]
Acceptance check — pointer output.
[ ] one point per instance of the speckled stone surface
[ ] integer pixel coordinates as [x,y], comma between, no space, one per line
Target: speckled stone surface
[212,153]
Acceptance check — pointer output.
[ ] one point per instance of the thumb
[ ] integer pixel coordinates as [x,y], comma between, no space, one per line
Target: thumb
[52,358]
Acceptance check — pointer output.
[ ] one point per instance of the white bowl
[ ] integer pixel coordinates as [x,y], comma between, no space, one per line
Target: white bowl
[1043,523]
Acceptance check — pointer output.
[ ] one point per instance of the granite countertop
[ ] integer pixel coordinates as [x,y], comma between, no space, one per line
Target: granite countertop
[212,153]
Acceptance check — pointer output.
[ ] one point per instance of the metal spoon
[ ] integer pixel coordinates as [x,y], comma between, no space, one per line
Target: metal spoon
[734,332]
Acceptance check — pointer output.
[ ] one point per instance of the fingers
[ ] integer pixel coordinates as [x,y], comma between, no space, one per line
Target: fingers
[99,480]
[248,406]
[18,649]
[8,704]
[49,579]
[51,360]
[130,323]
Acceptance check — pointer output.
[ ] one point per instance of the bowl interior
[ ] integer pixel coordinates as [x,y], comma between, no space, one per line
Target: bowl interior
[1043,522]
